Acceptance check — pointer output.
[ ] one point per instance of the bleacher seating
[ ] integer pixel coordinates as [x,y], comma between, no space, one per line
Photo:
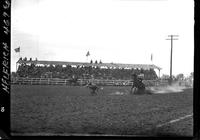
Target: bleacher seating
[57,71]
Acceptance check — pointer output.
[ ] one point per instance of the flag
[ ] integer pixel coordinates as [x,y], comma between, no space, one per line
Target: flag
[88,53]
[151,57]
[17,49]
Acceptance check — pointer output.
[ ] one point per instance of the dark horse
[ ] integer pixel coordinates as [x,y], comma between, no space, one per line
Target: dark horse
[138,86]
[93,88]
[73,81]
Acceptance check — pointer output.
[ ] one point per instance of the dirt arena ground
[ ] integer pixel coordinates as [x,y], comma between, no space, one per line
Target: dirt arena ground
[63,110]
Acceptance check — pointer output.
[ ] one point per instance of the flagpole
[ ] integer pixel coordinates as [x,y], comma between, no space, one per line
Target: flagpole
[19,58]
[151,58]
[88,54]
[16,66]
[19,51]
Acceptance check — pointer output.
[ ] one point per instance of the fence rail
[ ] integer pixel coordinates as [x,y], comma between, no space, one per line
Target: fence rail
[57,81]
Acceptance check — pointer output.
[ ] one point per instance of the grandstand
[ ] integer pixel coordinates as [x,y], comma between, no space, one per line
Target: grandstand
[63,70]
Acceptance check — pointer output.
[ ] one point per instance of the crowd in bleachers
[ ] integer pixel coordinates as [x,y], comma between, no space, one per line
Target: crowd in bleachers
[58,71]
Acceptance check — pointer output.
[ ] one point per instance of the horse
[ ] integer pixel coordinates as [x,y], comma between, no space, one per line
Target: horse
[138,86]
[73,81]
[94,89]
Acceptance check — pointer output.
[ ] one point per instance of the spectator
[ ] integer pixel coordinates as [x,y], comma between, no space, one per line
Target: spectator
[25,59]
[58,71]
[100,62]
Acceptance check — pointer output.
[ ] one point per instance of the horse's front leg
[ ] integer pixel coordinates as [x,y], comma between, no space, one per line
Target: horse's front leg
[134,90]
[131,92]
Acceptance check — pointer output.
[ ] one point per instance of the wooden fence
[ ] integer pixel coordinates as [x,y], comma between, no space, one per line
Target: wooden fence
[81,82]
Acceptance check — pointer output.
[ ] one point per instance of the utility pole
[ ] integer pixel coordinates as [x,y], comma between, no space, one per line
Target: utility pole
[171,38]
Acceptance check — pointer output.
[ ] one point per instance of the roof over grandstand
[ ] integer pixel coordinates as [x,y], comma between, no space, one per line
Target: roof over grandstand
[108,65]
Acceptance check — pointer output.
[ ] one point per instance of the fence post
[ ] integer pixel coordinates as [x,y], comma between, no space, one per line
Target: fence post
[31,81]
[40,81]
[81,82]
[48,81]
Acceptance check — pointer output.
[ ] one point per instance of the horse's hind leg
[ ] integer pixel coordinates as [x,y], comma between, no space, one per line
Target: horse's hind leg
[93,92]
[97,91]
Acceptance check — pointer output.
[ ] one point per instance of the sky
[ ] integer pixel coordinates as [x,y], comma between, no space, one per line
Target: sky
[118,31]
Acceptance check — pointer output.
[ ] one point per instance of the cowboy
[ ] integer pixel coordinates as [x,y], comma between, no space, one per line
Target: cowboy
[93,87]
[134,80]
[137,84]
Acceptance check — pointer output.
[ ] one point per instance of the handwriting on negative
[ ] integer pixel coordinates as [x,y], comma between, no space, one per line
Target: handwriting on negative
[5,68]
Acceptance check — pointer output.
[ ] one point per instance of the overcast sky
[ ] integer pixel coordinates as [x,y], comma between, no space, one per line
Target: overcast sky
[118,31]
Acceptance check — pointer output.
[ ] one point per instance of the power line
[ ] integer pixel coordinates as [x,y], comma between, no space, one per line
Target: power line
[171,38]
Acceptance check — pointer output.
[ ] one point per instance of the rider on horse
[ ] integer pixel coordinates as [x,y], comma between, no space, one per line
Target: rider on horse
[73,80]
[138,85]
[93,87]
